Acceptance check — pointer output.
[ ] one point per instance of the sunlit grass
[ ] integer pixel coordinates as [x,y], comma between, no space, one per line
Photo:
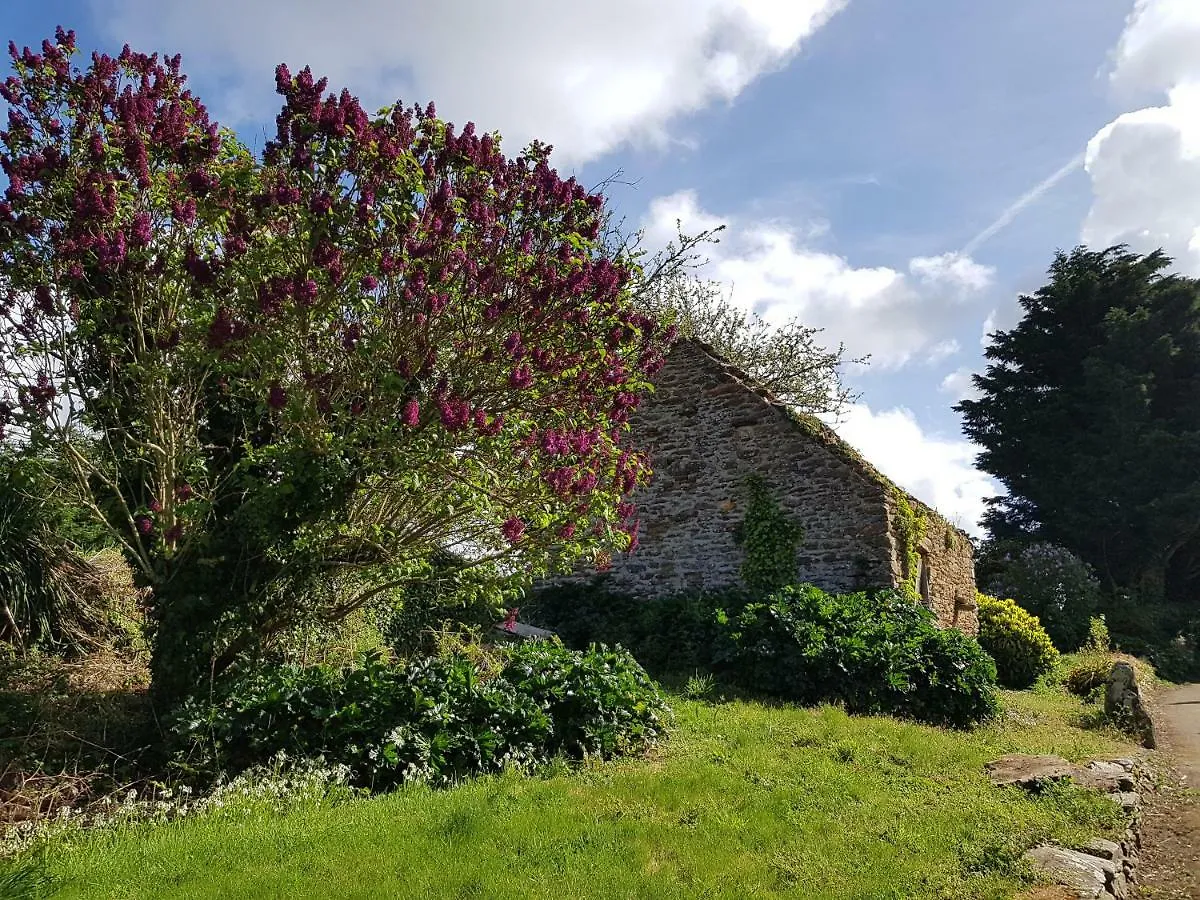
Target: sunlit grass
[745,800]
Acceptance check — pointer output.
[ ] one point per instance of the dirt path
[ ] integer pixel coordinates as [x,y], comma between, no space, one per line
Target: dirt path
[1180,715]
[1170,867]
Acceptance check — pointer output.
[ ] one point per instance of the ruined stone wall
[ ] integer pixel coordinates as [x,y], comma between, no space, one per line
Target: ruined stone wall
[949,561]
[706,432]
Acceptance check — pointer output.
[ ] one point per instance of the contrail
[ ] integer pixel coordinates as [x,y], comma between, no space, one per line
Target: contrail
[1016,209]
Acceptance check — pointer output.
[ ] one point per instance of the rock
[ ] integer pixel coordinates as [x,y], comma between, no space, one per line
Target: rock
[1088,876]
[1129,800]
[1126,764]
[1104,767]
[1103,849]
[1123,702]
[1101,776]
[1096,781]
[1028,771]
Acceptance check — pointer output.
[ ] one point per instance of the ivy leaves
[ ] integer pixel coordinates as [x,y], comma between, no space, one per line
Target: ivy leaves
[769,540]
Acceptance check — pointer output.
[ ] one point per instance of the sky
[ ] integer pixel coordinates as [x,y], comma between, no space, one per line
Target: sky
[894,173]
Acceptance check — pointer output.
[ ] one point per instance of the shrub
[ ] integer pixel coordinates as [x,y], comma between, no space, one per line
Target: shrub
[1053,584]
[671,635]
[1088,672]
[451,597]
[1015,640]
[287,353]
[435,720]
[1098,637]
[873,652]
[50,595]
[600,702]
[1178,659]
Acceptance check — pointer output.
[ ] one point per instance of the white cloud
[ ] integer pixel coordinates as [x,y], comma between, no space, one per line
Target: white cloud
[952,269]
[1145,165]
[958,384]
[892,315]
[937,470]
[1158,49]
[942,350]
[585,76]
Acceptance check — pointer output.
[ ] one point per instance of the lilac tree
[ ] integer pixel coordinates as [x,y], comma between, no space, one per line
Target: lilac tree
[380,339]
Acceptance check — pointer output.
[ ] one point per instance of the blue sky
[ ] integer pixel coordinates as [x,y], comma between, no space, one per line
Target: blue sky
[854,148]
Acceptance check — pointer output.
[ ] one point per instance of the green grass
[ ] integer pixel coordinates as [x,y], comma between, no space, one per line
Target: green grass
[746,800]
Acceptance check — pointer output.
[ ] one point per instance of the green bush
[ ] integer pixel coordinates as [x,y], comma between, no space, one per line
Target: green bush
[1165,633]
[670,636]
[436,720]
[600,702]
[873,652]
[1087,672]
[1015,640]
[449,597]
[1098,637]
[1178,659]
[1050,582]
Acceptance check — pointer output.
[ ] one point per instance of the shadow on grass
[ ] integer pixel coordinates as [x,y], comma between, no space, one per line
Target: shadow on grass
[72,732]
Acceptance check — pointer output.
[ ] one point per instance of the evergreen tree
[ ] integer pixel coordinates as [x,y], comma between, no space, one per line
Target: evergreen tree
[1089,414]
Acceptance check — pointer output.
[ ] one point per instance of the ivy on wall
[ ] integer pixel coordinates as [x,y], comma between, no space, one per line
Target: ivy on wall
[769,541]
[910,529]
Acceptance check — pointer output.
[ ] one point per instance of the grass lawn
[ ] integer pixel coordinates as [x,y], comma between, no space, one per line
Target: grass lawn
[745,800]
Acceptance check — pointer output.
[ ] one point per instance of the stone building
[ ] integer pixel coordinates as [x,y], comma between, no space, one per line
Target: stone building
[707,428]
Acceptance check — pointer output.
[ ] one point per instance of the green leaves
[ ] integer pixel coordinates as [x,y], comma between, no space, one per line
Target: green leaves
[435,720]
[910,528]
[769,540]
[1089,414]
[1015,640]
[874,652]
[377,339]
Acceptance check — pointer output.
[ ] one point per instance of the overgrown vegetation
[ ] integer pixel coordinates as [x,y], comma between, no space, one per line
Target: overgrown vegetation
[1051,582]
[311,369]
[769,540]
[910,525]
[1015,640]
[52,596]
[1089,415]
[672,636]
[435,720]
[873,652]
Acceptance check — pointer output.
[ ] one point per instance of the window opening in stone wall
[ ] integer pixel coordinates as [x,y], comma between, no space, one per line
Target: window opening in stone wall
[923,577]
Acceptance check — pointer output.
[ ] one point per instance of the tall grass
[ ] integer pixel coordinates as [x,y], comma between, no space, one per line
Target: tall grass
[50,594]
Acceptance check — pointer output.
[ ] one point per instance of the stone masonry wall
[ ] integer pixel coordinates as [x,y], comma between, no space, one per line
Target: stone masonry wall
[950,560]
[706,431]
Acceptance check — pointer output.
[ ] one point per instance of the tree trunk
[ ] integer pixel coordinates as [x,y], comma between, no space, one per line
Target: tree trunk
[183,650]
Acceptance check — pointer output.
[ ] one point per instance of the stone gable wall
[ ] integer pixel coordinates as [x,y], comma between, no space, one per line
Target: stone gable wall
[706,432]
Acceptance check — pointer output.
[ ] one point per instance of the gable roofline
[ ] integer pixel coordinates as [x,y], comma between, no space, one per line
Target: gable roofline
[817,430]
